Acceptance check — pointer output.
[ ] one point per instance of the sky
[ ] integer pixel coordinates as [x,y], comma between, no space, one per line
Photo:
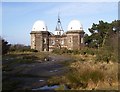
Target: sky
[19,17]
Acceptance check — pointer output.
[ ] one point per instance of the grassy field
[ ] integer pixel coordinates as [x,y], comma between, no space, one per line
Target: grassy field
[83,72]
[87,74]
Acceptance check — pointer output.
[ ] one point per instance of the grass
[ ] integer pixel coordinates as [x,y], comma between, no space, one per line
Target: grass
[83,72]
[61,87]
[100,72]
[56,80]
[68,62]
[42,56]
[25,57]
[75,79]
[82,78]
[11,60]
[89,75]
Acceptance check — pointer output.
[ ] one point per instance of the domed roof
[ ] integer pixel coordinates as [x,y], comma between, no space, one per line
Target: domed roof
[75,25]
[39,26]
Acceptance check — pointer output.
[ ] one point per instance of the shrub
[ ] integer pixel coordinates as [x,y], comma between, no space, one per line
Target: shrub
[81,78]
[90,51]
[83,51]
[104,55]
[33,50]
[61,51]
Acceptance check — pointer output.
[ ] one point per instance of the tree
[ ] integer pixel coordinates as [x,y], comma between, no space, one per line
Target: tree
[105,35]
[100,33]
[19,47]
[5,46]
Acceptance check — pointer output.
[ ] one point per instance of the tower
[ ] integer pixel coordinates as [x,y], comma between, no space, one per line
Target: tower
[40,36]
[59,29]
[75,35]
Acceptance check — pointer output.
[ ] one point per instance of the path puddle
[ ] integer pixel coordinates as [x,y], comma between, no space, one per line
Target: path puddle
[41,80]
[46,87]
[53,71]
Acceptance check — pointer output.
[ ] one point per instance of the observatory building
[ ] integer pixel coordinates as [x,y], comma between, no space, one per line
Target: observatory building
[43,40]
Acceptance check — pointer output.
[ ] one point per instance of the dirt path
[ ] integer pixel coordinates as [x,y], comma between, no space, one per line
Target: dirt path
[36,74]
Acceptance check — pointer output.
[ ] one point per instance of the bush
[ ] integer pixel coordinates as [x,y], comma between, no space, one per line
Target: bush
[83,51]
[33,50]
[77,77]
[61,51]
[90,51]
[81,79]
[104,55]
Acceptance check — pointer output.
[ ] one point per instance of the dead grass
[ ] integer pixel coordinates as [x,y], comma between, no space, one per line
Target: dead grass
[86,74]
[97,73]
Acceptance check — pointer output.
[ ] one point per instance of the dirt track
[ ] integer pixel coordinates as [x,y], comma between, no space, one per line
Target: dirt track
[36,74]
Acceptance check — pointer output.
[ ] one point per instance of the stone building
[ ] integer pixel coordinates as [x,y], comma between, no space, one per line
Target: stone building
[43,40]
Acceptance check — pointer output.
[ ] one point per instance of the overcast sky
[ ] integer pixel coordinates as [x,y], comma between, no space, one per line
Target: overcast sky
[18,18]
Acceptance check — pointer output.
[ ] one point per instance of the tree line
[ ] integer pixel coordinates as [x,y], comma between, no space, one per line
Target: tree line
[7,47]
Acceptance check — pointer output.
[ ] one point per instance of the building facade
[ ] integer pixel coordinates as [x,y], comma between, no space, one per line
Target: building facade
[43,40]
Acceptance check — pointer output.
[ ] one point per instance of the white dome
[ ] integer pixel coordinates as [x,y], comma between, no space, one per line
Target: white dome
[75,25]
[39,26]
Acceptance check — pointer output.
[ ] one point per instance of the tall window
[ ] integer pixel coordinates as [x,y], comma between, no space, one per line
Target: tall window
[45,40]
[70,40]
[82,40]
[62,42]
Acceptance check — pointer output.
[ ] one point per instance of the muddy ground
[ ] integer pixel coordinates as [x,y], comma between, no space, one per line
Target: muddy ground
[33,75]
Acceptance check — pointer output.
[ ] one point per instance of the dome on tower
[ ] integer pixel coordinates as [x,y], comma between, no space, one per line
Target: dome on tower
[75,25]
[39,26]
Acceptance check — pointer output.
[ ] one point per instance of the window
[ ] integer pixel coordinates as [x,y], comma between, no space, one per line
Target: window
[53,42]
[70,40]
[44,40]
[45,49]
[62,42]
[81,40]
[59,33]
[33,39]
